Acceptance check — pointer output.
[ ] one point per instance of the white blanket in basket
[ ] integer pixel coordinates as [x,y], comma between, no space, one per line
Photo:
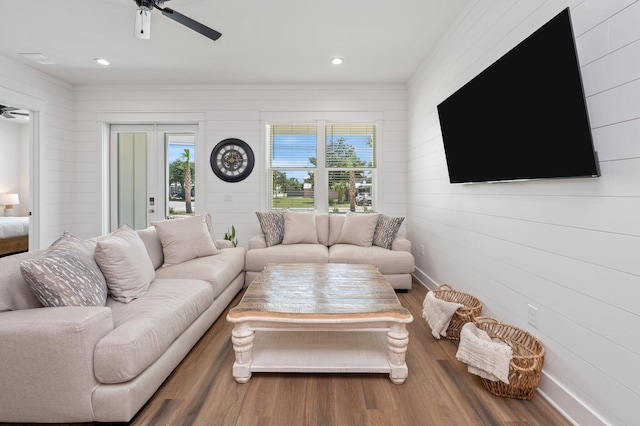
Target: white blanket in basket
[485,357]
[438,314]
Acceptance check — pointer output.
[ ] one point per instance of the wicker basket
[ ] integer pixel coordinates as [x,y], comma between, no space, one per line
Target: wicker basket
[471,309]
[527,362]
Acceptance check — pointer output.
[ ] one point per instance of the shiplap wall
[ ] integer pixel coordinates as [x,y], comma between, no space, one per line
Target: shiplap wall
[238,111]
[569,247]
[52,99]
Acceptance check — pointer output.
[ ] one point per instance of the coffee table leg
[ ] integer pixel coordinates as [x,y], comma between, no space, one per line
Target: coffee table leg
[242,339]
[397,341]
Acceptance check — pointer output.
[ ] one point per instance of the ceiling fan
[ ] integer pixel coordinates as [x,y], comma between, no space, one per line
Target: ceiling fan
[143,23]
[11,112]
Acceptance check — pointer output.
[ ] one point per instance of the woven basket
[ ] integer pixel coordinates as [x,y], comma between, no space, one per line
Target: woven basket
[525,367]
[471,309]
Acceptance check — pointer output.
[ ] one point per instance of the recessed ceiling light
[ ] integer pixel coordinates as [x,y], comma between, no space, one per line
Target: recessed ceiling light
[102,61]
[336,61]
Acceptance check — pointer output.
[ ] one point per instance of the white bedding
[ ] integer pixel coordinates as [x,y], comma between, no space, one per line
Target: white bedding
[14,226]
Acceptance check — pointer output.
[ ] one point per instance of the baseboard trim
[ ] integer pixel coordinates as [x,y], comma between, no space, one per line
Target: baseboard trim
[567,403]
[424,279]
[550,389]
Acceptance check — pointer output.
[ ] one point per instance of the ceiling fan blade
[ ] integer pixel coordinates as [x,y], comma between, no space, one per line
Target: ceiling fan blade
[194,25]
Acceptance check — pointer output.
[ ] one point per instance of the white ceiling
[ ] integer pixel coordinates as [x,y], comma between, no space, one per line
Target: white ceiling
[263,41]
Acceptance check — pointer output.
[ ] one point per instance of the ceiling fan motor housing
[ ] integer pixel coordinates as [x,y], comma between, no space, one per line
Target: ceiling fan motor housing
[148,4]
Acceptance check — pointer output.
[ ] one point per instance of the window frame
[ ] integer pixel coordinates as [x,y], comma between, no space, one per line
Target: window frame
[321,171]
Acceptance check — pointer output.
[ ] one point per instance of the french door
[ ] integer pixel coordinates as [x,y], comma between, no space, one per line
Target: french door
[152,173]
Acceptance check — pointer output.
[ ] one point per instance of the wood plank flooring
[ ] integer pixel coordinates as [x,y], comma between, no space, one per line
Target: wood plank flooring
[438,391]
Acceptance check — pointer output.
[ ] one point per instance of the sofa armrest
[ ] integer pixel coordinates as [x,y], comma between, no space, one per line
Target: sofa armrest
[223,244]
[401,244]
[47,362]
[257,242]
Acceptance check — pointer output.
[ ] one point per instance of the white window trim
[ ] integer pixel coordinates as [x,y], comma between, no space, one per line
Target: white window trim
[321,195]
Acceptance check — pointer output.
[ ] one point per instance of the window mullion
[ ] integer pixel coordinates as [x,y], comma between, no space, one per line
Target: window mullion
[320,185]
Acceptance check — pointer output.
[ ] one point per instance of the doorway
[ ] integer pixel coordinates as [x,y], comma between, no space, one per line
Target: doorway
[18,174]
[152,173]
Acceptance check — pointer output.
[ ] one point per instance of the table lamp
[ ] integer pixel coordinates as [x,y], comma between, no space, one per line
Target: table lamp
[8,200]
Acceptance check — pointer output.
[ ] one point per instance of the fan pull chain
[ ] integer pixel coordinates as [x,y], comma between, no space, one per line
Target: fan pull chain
[141,21]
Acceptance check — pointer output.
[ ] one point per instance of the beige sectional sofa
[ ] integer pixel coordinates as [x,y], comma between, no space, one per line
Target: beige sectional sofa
[296,237]
[102,363]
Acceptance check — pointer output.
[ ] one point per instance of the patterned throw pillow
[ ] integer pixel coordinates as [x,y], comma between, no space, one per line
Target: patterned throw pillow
[272,224]
[66,274]
[386,231]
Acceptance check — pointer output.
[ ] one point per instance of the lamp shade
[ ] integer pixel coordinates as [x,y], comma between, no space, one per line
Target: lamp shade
[9,199]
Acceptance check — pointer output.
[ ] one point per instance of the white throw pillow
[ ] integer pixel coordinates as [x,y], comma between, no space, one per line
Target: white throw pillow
[125,264]
[185,239]
[358,229]
[299,228]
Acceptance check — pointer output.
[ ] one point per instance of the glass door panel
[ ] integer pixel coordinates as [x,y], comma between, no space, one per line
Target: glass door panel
[151,166]
[132,180]
[181,189]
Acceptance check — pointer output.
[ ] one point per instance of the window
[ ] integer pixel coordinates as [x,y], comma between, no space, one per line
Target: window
[322,166]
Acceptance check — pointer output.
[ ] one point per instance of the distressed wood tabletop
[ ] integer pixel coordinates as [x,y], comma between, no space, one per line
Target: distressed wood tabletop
[322,292]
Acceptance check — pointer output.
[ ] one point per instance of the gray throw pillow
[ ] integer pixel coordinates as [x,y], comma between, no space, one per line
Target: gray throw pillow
[272,225]
[386,231]
[66,274]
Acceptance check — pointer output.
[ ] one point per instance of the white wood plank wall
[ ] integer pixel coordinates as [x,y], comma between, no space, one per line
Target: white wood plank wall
[53,100]
[237,111]
[569,247]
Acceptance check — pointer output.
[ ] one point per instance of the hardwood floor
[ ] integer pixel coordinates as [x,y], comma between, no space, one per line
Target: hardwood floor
[438,391]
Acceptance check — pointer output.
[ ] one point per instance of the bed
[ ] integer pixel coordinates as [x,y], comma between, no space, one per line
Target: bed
[14,235]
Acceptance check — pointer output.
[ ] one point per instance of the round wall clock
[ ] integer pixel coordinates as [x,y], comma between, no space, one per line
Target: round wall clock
[232,160]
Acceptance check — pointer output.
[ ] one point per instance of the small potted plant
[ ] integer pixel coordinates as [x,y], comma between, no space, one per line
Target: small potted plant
[231,236]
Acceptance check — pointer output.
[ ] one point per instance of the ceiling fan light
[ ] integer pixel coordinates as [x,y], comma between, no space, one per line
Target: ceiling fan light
[142,27]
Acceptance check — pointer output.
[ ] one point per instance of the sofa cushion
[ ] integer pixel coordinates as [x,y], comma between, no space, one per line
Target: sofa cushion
[272,225]
[146,327]
[125,264]
[336,222]
[322,228]
[299,227]
[358,229]
[387,261]
[386,231]
[152,243]
[257,259]
[219,270]
[185,239]
[66,274]
[15,293]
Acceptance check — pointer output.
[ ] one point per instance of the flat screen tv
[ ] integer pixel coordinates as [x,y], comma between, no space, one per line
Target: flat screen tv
[524,117]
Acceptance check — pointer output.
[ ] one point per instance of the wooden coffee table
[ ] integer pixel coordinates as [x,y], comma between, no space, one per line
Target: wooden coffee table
[325,318]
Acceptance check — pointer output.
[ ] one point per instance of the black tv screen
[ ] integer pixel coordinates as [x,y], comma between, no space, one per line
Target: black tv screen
[524,117]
